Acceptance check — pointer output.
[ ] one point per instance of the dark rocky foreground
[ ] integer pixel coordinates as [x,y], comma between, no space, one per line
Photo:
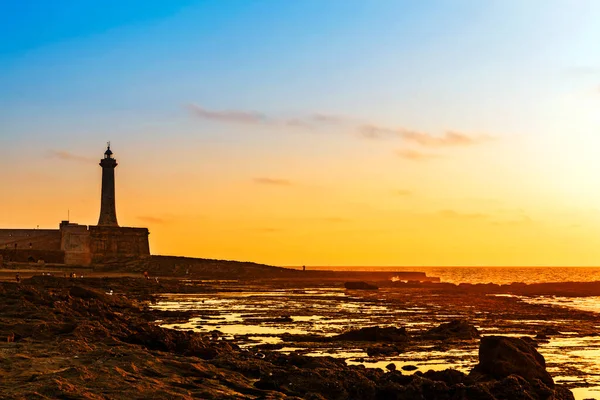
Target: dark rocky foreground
[72,340]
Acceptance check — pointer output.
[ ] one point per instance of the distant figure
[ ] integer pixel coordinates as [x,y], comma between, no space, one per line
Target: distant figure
[146,275]
[304,268]
[10,338]
[18,278]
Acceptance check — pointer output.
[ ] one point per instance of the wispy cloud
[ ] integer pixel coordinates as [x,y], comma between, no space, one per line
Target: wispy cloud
[414,155]
[272,181]
[312,121]
[325,121]
[330,118]
[370,131]
[236,116]
[299,123]
[67,156]
[449,138]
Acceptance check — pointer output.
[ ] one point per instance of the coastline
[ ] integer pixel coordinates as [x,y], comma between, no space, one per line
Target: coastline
[69,333]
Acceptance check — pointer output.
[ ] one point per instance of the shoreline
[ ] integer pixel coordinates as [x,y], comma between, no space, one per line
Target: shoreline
[73,315]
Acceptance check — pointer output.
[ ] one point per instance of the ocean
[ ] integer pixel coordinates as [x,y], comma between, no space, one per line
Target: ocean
[499,275]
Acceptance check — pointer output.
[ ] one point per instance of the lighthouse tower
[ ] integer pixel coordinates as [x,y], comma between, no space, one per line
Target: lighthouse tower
[108,211]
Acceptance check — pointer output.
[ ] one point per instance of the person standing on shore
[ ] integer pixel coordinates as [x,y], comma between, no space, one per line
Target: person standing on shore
[18,278]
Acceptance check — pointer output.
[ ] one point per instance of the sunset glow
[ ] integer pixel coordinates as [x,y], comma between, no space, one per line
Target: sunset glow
[311,132]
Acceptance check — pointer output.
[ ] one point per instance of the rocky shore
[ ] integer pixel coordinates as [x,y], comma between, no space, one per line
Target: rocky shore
[100,339]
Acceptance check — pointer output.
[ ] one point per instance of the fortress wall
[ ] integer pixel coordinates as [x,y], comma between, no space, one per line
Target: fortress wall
[32,256]
[35,239]
[76,244]
[108,243]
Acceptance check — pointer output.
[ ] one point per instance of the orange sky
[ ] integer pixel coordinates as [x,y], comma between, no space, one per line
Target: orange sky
[383,133]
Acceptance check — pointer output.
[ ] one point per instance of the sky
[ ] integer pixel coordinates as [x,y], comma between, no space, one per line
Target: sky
[314,132]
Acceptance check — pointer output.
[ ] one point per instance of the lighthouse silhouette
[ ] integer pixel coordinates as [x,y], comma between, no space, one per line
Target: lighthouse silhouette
[108,210]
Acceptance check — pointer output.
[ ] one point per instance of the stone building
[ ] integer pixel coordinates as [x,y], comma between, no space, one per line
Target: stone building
[75,244]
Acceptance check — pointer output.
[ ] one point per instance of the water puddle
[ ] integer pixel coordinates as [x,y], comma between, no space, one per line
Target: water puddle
[262,317]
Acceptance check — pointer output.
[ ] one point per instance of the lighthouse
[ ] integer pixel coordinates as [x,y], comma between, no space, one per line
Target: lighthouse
[108,211]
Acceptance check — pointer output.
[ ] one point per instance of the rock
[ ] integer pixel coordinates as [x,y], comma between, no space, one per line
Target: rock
[549,331]
[375,334]
[391,367]
[500,357]
[409,368]
[270,346]
[360,285]
[376,351]
[448,376]
[113,345]
[515,387]
[456,329]
[85,293]
[330,383]
[282,319]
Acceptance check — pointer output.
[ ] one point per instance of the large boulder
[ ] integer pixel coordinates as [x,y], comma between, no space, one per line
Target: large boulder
[375,334]
[501,356]
[456,329]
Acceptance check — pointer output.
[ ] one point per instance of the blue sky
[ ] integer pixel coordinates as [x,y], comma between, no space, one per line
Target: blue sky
[172,80]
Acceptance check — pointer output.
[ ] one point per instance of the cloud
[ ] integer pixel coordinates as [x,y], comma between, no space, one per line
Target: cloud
[236,116]
[376,132]
[312,121]
[67,156]
[414,155]
[298,123]
[319,120]
[329,118]
[272,181]
[152,220]
[449,138]
[458,215]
